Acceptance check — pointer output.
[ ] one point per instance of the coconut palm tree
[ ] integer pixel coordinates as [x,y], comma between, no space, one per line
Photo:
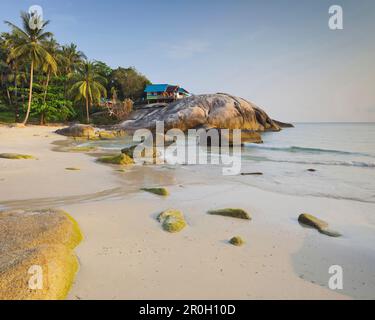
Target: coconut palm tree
[5,69]
[88,85]
[30,47]
[52,46]
[71,57]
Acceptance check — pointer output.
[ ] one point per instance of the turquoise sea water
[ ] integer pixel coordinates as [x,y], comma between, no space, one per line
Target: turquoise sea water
[343,155]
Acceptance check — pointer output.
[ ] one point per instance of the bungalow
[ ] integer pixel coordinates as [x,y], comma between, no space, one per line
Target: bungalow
[164,93]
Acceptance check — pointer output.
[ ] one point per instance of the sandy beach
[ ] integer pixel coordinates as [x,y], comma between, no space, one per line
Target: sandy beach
[125,253]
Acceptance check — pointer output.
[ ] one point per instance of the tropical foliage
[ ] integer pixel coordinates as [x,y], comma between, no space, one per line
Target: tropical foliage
[45,81]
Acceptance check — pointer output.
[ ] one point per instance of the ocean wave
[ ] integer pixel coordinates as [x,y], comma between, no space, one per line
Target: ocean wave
[296,149]
[362,164]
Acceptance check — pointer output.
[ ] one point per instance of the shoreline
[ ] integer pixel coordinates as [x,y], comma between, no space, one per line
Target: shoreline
[126,254]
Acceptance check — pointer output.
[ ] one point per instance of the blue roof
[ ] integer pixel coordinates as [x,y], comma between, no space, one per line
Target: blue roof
[182,90]
[156,87]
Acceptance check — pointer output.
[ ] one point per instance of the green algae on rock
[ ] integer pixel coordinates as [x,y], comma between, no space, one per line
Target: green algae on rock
[149,155]
[231,212]
[78,131]
[107,135]
[83,149]
[158,191]
[42,239]
[320,225]
[16,156]
[121,159]
[237,241]
[172,220]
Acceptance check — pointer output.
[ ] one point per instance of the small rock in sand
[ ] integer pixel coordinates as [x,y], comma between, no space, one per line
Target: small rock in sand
[72,169]
[172,220]
[237,241]
[320,225]
[231,212]
[251,173]
[15,156]
[158,191]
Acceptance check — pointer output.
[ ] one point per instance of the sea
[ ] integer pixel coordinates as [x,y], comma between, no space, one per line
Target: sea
[332,160]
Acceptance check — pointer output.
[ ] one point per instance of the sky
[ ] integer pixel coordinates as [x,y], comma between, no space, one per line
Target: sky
[279,54]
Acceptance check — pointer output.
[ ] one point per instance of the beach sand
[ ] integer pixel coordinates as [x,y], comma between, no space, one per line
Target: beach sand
[126,255]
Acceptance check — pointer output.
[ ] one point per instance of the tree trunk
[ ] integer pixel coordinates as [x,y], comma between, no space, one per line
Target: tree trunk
[16,111]
[8,95]
[42,115]
[87,110]
[30,92]
[46,88]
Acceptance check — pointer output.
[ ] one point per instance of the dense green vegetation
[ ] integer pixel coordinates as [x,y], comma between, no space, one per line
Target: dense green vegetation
[43,81]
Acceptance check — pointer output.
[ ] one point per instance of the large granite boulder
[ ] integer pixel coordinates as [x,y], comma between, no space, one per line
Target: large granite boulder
[37,241]
[211,110]
[77,131]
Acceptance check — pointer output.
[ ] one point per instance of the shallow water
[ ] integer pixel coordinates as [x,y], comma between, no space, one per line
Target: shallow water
[343,155]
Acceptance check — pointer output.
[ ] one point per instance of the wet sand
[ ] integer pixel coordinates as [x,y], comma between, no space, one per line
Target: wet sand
[126,254]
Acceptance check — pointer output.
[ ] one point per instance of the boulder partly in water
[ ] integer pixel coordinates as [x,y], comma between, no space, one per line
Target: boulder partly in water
[78,131]
[320,225]
[212,110]
[121,159]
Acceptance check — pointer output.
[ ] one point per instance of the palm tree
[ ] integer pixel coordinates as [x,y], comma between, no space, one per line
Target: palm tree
[52,46]
[71,57]
[12,66]
[88,85]
[30,47]
[5,69]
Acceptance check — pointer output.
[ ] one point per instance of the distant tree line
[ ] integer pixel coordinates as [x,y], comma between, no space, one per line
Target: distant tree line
[47,81]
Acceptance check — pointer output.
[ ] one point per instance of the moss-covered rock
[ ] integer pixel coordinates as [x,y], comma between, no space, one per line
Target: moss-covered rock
[121,159]
[158,191]
[43,239]
[16,156]
[237,241]
[107,135]
[83,149]
[320,225]
[172,220]
[231,212]
[129,151]
[78,130]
